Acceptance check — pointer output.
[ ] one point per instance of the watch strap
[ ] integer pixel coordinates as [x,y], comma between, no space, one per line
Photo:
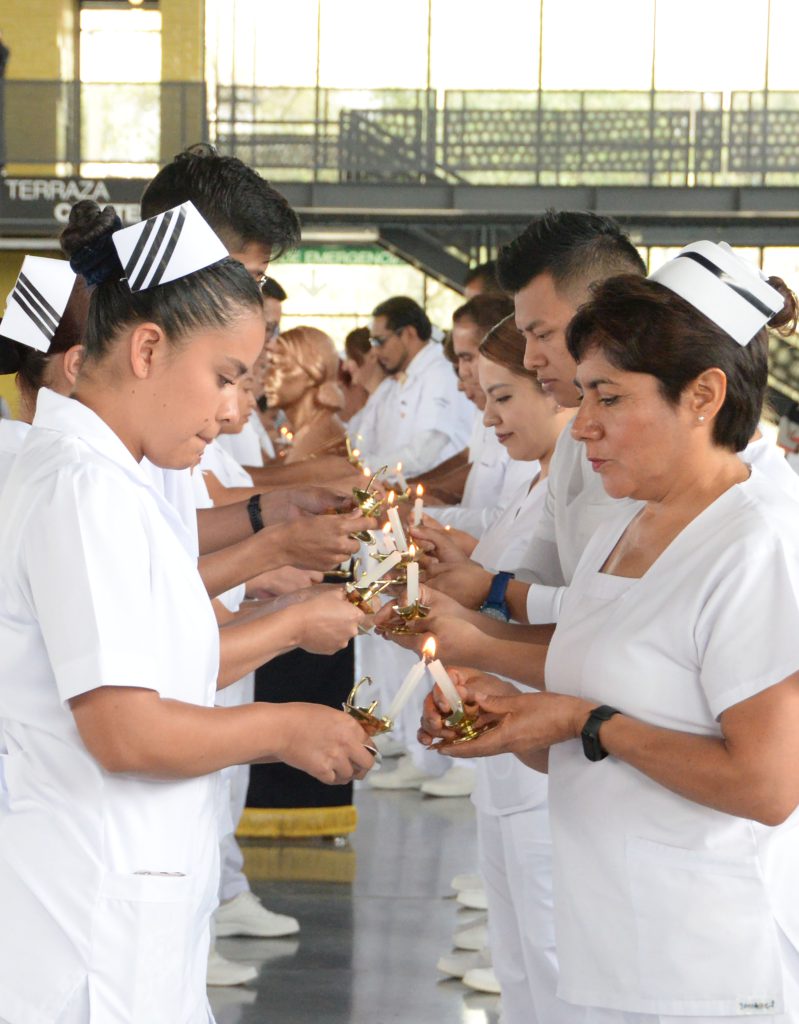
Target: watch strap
[254,512]
[592,748]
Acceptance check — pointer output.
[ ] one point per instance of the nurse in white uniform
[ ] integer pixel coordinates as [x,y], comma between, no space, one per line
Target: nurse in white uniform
[109,649]
[672,706]
[511,799]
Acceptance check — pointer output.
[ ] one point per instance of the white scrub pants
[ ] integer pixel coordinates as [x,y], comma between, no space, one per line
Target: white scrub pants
[515,858]
[233,797]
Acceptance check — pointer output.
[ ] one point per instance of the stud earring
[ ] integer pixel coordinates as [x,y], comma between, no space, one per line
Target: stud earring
[701,419]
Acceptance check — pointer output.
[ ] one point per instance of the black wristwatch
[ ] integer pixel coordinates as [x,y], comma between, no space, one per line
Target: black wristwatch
[592,748]
[495,606]
[254,512]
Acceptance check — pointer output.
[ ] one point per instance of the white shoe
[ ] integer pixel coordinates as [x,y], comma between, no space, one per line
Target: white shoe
[457,781]
[227,972]
[388,746]
[460,882]
[475,937]
[458,963]
[482,979]
[246,915]
[474,899]
[405,776]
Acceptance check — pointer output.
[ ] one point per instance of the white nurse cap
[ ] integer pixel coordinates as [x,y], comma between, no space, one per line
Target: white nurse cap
[166,247]
[730,291]
[37,302]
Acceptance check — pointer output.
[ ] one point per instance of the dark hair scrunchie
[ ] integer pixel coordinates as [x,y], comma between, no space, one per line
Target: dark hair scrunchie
[99,261]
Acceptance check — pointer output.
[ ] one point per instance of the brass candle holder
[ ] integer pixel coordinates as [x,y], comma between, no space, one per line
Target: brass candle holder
[409,613]
[401,572]
[464,725]
[370,504]
[367,717]
[362,597]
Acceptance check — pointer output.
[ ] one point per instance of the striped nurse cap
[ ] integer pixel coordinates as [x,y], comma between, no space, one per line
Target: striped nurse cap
[37,302]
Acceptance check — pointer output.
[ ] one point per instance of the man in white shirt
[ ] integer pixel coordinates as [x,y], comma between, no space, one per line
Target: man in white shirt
[426,419]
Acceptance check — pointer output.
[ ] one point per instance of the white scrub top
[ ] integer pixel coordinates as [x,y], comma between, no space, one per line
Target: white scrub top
[477,520]
[424,419]
[106,880]
[175,485]
[662,905]
[503,785]
[245,447]
[12,434]
[365,429]
[217,460]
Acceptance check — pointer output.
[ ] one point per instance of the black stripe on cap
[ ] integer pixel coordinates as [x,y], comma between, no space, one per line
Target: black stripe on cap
[33,294]
[170,248]
[725,278]
[152,251]
[34,316]
[138,248]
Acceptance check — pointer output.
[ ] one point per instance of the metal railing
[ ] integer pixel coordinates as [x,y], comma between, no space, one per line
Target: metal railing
[418,136]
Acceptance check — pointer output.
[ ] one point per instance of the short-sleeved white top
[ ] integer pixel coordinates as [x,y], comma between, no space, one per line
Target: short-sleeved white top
[12,434]
[98,587]
[245,447]
[663,905]
[503,784]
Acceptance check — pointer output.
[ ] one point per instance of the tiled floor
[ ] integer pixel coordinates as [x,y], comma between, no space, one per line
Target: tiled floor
[375,916]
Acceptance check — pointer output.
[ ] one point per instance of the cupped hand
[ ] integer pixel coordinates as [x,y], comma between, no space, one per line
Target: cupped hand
[329,622]
[467,582]
[324,743]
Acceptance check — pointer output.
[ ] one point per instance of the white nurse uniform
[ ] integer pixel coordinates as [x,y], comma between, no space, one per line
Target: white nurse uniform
[663,906]
[107,881]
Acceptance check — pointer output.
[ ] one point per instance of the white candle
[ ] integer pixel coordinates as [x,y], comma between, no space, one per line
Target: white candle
[387,539]
[396,529]
[409,684]
[401,479]
[379,571]
[445,684]
[418,506]
[413,583]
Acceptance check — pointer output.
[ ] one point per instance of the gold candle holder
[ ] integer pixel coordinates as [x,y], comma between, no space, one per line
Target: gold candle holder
[371,722]
[369,503]
[401,572]
[409,613]
[463,724]
[362,597]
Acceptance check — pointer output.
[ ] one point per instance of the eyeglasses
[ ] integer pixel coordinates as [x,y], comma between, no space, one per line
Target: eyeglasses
[379,342]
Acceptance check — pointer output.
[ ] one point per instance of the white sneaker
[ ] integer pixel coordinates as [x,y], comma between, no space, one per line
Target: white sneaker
[474,899]
[457,781]
[388,746]
[405,776]
[464,881]
[246,915]
[458,963]
[482,979]
[474,937]
[227,972]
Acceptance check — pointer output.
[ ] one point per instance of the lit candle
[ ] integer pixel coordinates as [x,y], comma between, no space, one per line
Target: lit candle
[413,583]
[396,528]
[409,684]
[401,479]
[443,681]
[366,471]
[356,453]
[418,506]
[379,571]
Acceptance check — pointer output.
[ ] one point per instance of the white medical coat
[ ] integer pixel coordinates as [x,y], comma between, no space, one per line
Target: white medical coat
[106,880]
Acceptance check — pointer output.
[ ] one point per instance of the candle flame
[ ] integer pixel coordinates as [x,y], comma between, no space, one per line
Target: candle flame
[399,467]
[447,527]
[289,436]
[367,471]
[284,431]
[412,550]
[387,529]
[429,649]
[419,490]
[391,497]
[356,453]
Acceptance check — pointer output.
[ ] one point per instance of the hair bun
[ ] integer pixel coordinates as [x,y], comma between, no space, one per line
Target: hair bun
[86,240]
[10,354]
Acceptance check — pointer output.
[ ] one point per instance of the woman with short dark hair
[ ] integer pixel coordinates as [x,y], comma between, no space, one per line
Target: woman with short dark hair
[671,714]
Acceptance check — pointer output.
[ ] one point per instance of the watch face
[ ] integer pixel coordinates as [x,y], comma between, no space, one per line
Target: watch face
[495,613]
